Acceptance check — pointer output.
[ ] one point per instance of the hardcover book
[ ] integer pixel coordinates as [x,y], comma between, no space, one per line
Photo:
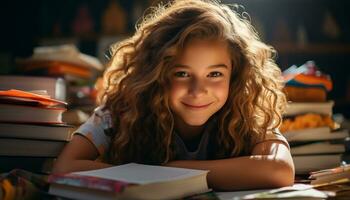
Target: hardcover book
[34,131]
[30,114]
[28,147]
[296,108]
[130,181]
[315,134]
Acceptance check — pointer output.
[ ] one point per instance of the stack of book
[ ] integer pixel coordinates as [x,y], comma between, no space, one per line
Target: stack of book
[314,148]
[79,71]
[55,87]
[337,175]
[317,142]
[32,133]
[336,180]
[64,60]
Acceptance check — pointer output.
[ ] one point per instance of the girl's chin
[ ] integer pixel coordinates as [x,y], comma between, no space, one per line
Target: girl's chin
[195,122]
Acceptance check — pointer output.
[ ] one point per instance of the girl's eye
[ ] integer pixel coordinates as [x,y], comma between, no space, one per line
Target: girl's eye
[215,74]
[181,74]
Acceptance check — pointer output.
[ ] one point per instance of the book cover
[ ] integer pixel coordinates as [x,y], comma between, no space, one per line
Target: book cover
[295,108]
[318,148]
[315,134]
[56,68]
[132,181]
[64,53]
[34,131]
[16,96]
[55,87]
[304,164]
[30,147]
[30,114]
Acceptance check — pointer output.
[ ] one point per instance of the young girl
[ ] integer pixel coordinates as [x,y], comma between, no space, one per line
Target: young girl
[193,88]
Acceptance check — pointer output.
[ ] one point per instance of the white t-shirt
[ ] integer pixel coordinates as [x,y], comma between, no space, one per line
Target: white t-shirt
[96,129]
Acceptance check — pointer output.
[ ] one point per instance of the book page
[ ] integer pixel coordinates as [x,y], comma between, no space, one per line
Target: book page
[142,174]
[296,191]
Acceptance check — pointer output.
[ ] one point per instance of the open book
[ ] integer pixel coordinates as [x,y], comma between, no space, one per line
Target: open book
[130,181]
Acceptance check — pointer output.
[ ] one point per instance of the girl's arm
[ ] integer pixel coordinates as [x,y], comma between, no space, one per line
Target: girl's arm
[78,155]
[270,166]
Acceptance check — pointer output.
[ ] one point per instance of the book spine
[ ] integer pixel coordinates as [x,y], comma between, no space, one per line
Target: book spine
[89,182]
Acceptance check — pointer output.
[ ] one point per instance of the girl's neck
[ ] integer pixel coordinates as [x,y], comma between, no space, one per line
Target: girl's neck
[188,132]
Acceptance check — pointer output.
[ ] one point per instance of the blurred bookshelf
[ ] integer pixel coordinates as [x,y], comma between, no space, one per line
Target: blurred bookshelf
[300,30]
[316,48]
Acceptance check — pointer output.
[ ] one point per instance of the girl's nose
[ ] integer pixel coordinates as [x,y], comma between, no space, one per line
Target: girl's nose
[197,88]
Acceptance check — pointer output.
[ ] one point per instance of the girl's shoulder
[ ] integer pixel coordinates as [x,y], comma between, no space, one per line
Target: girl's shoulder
[101,111]
[99,123]
[97,129]
[102,116]
[276,135]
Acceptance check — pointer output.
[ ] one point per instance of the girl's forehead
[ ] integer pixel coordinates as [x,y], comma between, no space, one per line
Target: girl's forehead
[205,42]
[204,53]
[207,47]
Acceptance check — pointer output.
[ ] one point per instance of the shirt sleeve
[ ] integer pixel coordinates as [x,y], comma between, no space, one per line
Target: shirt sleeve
[95,129]
[276,136]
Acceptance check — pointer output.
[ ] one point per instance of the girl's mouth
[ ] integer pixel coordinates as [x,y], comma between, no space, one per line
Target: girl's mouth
[196,106]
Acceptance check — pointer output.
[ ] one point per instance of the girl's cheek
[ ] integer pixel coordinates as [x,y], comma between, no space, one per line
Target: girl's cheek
[177,86]
[220,89]
[219,85]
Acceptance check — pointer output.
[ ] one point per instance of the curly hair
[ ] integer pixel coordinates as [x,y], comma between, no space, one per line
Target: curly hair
[137,82]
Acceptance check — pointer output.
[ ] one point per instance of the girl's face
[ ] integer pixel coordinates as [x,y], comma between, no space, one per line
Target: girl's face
[200,81]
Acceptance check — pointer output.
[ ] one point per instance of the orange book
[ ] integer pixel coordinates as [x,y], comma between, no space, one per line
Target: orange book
[56,68]
[309,94]
[314,80]
[19,95]
[65,69]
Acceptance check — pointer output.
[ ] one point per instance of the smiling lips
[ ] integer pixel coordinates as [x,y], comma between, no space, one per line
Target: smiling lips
[196,106]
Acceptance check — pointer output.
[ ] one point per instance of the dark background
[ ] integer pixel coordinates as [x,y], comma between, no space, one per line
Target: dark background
[298,29]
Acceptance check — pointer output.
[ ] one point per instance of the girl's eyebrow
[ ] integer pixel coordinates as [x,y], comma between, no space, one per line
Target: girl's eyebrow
[210,66]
